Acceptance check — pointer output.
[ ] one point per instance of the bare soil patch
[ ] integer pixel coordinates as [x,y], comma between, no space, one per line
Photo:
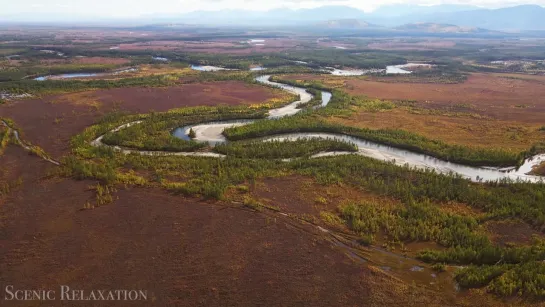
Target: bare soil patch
[302,195]
[510,232]
[540,170]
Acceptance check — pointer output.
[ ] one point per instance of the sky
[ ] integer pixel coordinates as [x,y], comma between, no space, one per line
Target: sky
[135,8]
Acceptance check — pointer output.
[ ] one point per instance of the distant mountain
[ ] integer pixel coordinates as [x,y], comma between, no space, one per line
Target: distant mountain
[272,17]
[517,18]
[522,17]
[429,27]
[347,24]
[396,10]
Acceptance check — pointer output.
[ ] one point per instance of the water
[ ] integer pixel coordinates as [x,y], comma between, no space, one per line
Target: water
[83,75]
[52,52]
[402,157]
[212,132]
[398,69]
[326,97]
[208,68]
[353,72]
[119,72]
[217,68]
[209,132]
[156,58]
[67,76]
[258,68]
[417,269]
[392,69]
[77,75]
[9,96]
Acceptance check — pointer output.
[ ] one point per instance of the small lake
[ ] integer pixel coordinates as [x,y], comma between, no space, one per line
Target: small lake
[83,75]
[208,68]
[161,59]
[67,76]
[390,70]
[401,69]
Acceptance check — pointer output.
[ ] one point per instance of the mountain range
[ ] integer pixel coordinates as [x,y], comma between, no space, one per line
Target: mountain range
[516,18]
[511,19]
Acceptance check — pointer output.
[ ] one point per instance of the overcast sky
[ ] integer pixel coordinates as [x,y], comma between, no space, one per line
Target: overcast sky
[133,8]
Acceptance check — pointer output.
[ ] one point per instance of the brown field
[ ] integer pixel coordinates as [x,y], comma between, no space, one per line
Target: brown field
[486,110]
[51,121]
[303,196]
[183,251]
[511,232]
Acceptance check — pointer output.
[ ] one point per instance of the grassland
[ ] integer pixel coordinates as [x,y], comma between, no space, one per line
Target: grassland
[484,111]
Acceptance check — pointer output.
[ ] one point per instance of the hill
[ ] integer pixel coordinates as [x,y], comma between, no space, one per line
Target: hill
[347,24]
[429,27]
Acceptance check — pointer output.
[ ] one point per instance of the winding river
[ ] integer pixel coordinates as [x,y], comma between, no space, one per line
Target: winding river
[212,133]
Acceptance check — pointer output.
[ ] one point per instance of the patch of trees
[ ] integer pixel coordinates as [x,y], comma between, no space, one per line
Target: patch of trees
[55,86]
[345,58]
[525,279]
[35,70]
[154,132]
[397,138]
[281,149]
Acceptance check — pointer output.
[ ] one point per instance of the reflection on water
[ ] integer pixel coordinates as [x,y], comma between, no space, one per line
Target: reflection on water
[258,68]
[402,156]
[208,68]
[83,75]
[156,58]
